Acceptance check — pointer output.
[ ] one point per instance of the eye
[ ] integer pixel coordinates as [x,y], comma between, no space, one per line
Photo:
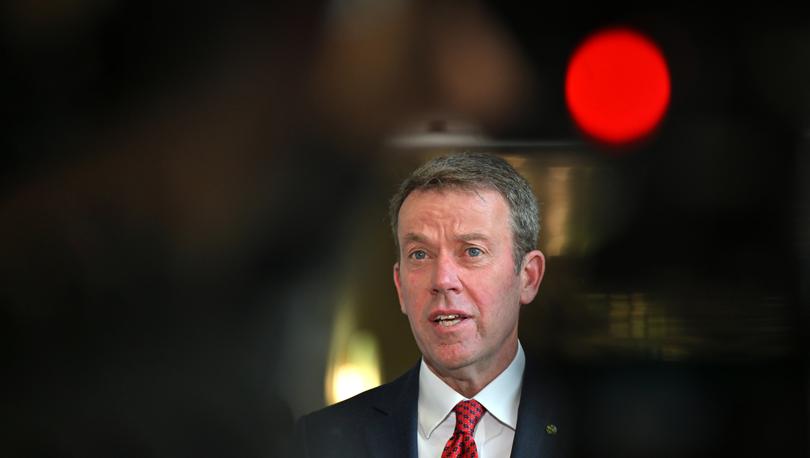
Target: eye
[474,251]
[418,255]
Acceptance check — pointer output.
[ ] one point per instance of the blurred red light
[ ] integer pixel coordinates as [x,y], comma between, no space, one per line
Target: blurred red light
[617,87]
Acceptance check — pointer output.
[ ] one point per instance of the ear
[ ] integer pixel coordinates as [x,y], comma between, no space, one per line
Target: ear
[531,274]
[399,287]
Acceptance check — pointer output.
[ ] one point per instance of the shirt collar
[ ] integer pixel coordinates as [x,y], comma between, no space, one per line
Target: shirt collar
[500,397]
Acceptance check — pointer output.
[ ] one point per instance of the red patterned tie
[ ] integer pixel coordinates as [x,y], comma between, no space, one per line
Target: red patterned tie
[462,443]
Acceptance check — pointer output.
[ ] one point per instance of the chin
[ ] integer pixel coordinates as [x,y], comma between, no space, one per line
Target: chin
[453,360]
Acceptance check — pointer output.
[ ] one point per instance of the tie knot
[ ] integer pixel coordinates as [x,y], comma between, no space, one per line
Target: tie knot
[468,413]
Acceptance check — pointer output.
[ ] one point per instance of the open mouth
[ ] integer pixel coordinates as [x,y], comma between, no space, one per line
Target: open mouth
[449,320]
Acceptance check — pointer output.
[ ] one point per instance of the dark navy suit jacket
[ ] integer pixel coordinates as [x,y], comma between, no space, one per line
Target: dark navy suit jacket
[382,422]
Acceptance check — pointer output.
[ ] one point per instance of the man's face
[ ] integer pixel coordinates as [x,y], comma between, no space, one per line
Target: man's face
[456,278]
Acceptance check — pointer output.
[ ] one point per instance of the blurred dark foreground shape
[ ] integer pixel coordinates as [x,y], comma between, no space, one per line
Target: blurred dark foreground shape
[192,202]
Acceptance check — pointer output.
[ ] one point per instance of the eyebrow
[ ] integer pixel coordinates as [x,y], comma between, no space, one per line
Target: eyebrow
[413,237]
[473,236]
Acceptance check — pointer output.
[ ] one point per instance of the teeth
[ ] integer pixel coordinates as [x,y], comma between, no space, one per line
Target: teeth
[448,320]
[446,317]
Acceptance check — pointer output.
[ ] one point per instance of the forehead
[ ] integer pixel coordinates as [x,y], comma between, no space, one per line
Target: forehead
[456,208]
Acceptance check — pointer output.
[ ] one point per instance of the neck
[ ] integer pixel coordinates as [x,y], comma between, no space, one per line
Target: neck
[470,380]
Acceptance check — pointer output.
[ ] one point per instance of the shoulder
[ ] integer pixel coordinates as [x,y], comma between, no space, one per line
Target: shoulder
[379,398]
[357,407]
[342,426]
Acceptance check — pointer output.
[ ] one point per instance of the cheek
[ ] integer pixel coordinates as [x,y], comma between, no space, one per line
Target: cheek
[414,282]
[410,290]
[504,298]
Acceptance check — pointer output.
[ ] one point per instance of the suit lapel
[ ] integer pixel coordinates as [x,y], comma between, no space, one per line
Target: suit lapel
[394,435]
[539,431]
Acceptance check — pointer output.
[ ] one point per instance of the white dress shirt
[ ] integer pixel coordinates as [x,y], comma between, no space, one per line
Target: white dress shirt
[496,430]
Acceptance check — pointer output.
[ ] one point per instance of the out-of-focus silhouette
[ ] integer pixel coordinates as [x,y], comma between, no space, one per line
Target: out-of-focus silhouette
[191,207]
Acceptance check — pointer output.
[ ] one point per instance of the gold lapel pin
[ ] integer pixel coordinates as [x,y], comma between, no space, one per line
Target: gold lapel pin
[551,429]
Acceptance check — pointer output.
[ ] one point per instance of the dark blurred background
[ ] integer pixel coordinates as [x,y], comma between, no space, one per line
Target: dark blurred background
[195,246]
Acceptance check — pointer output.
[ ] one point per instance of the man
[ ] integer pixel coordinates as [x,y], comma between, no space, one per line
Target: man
[466,228]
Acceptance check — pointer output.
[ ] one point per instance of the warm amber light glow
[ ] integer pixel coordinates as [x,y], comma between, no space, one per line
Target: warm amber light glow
[557,210]
[354,361]
[355,368]
[349,380]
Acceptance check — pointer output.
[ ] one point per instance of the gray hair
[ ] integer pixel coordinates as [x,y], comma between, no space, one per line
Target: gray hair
[473,171]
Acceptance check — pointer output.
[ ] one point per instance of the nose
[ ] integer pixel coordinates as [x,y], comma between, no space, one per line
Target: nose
[446,275]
